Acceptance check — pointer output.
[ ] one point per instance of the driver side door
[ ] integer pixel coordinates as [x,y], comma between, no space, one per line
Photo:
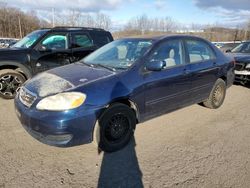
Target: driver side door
[169,88]
[52,51]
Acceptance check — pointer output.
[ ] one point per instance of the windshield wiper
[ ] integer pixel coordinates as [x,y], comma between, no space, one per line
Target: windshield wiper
[87,64]
[121,68]
[106,67]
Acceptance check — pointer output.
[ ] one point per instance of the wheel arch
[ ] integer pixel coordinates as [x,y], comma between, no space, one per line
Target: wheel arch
[16,66]
[224,78]
[128,103]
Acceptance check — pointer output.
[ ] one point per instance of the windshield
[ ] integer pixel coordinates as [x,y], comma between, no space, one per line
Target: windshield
[30,39]
[242,48]
[120,54]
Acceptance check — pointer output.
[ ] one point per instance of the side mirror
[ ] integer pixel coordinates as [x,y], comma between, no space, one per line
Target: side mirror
[43,49]
[228,51]
[155,65]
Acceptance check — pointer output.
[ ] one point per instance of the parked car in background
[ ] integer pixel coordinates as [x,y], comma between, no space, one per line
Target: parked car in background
[128,81]
[241,53]
[7,42]
[226,45]
[229,46]
[45,49]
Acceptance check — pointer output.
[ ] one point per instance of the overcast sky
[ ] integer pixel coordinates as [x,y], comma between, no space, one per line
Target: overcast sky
[228,12]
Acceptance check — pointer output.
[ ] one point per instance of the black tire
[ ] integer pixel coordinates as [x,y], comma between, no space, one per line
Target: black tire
[116,127]
[217,95]
[10,81]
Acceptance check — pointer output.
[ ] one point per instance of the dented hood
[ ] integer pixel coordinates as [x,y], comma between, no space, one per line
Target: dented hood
[65,78]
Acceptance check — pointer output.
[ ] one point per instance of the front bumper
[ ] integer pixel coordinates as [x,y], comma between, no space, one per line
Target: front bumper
[61,129]
[242,76]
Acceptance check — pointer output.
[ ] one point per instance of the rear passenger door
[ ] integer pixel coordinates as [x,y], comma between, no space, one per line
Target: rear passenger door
[81,45]
[202,66]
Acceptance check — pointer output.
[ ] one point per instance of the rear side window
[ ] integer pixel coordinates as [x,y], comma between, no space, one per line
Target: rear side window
[81,41]
[101,39]
[199,51]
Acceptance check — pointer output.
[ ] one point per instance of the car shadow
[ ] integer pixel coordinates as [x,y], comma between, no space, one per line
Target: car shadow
[121,169]
[245,85]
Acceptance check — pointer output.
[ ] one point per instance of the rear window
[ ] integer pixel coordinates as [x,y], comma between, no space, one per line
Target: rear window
[199,51]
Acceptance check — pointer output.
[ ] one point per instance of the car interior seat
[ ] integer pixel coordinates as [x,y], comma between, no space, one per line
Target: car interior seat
[170,61]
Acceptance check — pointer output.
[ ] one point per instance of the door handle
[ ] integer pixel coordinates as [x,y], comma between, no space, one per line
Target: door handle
[186,71]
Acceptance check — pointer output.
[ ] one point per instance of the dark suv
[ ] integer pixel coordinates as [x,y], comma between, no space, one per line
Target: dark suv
[46,49]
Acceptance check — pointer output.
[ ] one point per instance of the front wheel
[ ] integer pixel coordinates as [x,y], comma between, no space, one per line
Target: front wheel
[217,95]
[115,128]
[10,81]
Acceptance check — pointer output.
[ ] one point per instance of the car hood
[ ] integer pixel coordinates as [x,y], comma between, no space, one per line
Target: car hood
[4,51]
[13,54]
[65,78]
[241,57]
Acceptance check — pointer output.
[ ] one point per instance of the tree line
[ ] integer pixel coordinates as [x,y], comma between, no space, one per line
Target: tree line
[15,23]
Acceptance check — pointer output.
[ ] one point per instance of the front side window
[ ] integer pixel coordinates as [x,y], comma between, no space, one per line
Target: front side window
[55,42]
[120,53]
[199,51]
[170,52]
[81,41]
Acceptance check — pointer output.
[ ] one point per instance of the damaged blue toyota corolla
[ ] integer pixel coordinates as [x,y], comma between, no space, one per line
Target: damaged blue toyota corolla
[103,97]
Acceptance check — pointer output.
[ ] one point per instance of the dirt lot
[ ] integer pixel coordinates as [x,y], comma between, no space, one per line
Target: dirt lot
[192,147]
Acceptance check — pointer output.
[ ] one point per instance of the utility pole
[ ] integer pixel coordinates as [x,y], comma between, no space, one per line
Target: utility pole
[53,17]
[20,27]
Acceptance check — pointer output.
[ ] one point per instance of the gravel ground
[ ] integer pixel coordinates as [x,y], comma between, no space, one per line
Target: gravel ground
[192,147]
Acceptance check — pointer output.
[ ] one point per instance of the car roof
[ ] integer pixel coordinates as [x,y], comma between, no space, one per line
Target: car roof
[162,37]
[63,28]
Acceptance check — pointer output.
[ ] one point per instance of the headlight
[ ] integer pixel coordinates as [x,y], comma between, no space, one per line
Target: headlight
[62,101]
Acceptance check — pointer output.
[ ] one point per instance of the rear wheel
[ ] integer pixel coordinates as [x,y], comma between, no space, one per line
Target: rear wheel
[217,95]
[115,128]
[10,81]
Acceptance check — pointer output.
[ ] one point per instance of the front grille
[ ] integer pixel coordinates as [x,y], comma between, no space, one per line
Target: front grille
[27,97]
[239,66]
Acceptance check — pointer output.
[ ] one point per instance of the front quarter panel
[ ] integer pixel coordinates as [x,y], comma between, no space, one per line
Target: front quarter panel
[123,86]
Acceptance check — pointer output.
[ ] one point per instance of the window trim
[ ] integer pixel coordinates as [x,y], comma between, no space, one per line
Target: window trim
[202,41]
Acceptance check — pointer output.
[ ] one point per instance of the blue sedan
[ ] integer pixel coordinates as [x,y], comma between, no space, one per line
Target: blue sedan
[102,97]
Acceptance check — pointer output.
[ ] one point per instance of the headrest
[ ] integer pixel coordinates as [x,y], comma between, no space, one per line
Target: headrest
[171,53]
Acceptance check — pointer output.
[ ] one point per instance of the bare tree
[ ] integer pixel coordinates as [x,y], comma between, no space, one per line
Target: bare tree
[15,23]
[145,24]
[77,18]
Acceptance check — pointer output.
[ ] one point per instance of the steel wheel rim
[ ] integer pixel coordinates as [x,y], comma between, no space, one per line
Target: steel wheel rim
[9,84]
[218,95]
[117,128]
